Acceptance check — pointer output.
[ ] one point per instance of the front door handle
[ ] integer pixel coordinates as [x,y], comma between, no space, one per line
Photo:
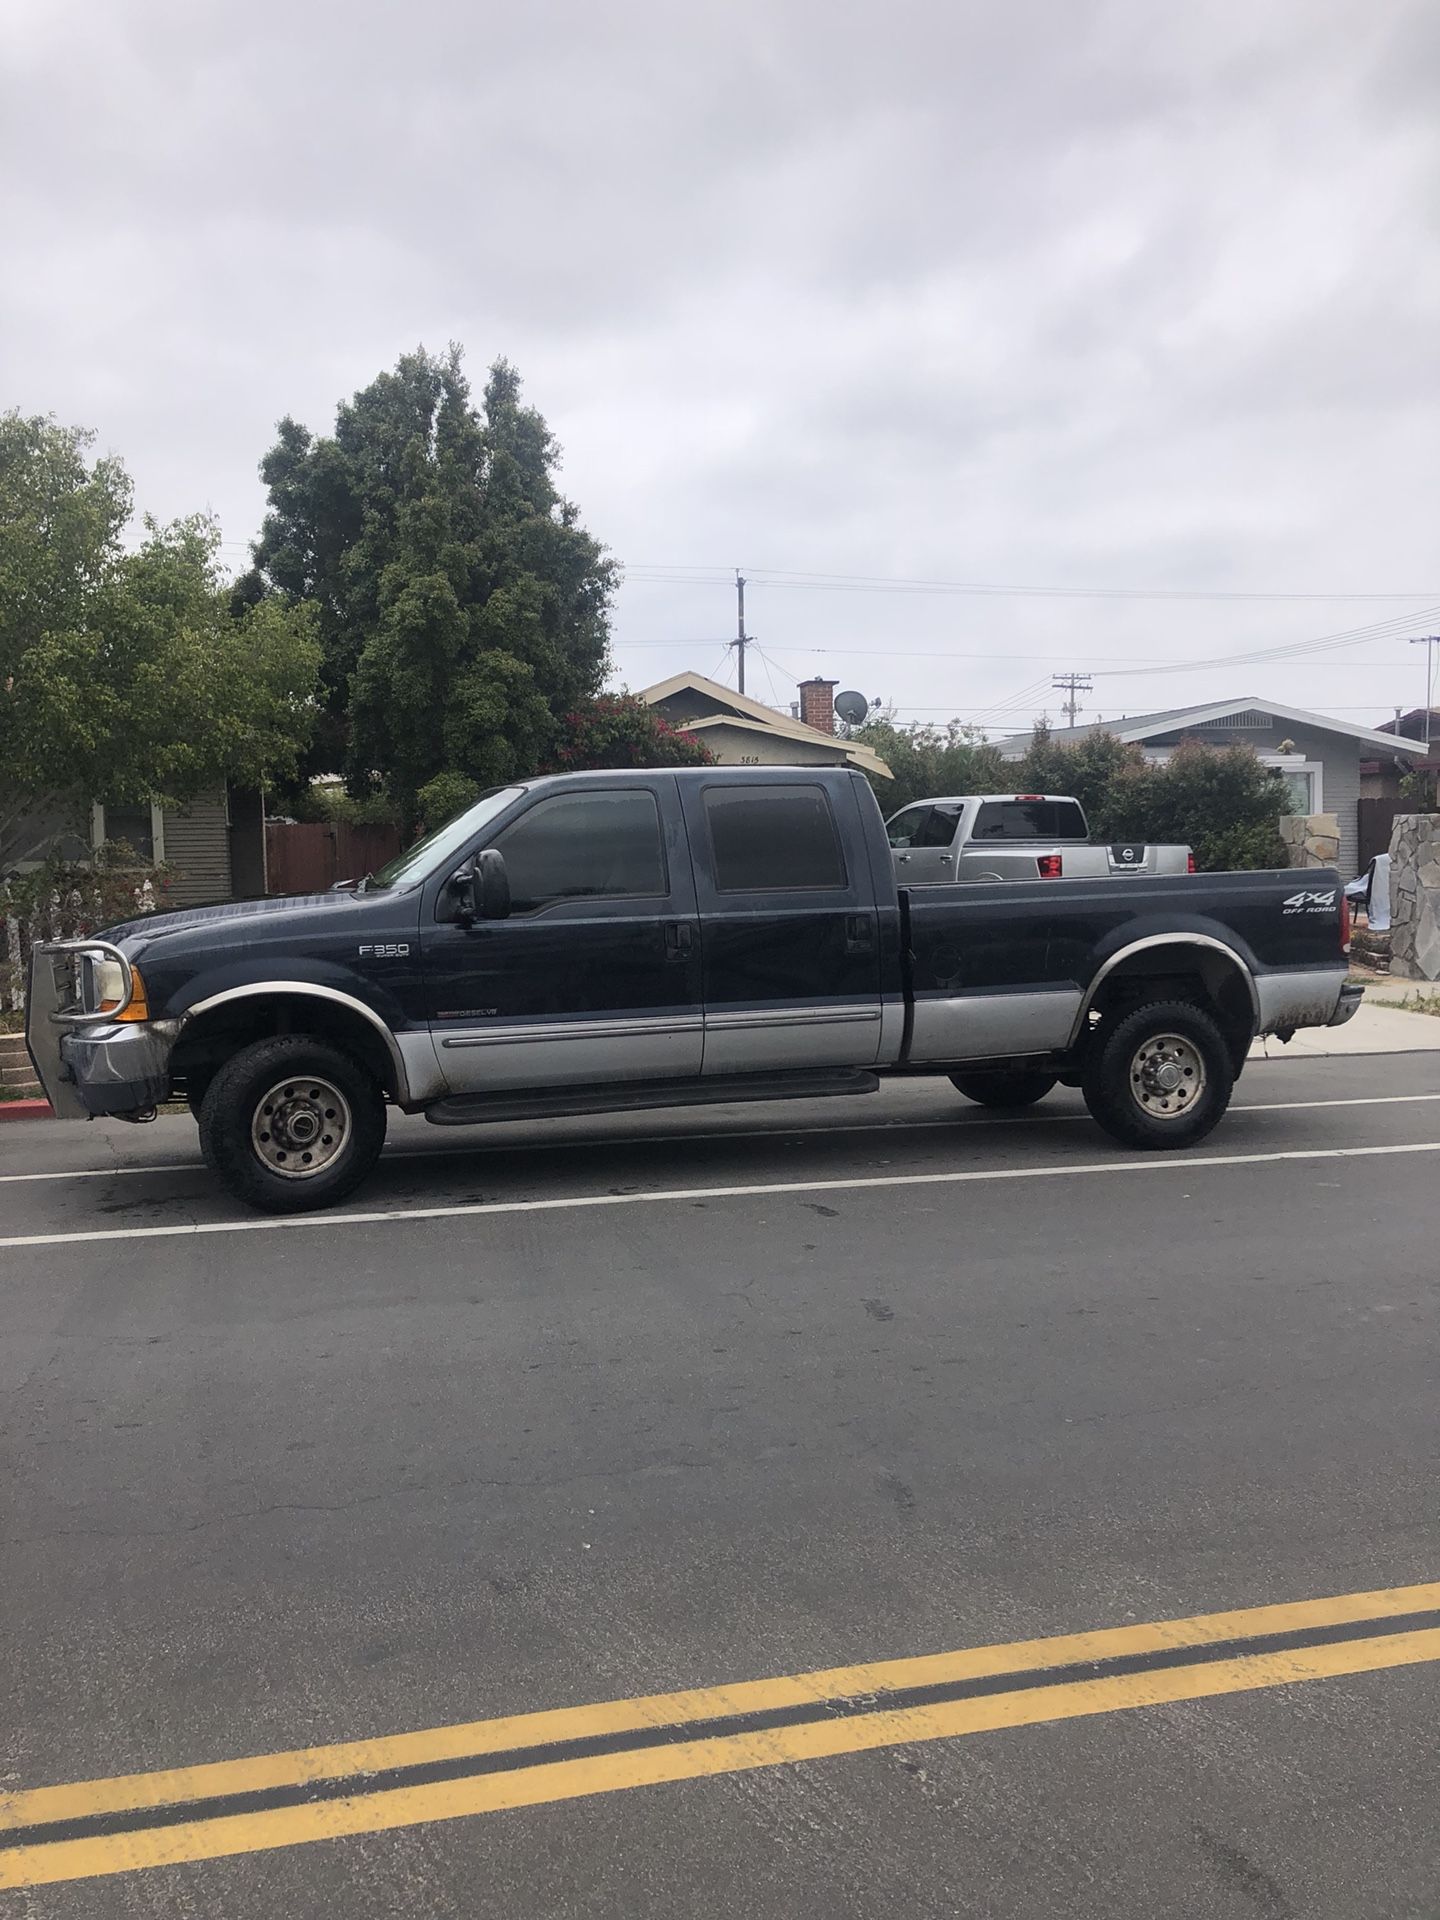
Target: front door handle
[679,939]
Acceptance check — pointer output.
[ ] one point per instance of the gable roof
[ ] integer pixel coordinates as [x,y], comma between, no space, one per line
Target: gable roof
[742,711]
[1139,727]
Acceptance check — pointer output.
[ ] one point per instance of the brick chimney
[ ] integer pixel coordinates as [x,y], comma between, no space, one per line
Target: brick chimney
[817,704]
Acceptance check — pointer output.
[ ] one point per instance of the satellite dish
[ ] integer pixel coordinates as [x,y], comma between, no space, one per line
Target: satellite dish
[852,708]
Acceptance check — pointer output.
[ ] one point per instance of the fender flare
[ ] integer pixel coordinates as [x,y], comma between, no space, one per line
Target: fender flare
[1151,943]
[313,990]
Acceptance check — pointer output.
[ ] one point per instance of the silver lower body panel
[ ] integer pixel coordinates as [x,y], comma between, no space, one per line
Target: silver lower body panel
[1303,999]
[988,1026]
[571,1053]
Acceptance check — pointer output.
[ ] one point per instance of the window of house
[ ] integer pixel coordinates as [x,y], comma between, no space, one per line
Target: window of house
[585,847]
[764,839]
[1302,782]
[137,827]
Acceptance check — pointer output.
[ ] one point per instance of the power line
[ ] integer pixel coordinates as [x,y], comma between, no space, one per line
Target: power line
[660,573]
[1388,629]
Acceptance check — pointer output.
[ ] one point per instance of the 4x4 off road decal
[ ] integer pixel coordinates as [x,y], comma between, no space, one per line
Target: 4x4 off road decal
[1322,902]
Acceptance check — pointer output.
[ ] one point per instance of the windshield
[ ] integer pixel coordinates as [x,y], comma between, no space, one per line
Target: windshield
[445,843]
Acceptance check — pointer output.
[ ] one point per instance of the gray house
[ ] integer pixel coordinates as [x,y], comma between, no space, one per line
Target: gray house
[216,843]
[1320,762]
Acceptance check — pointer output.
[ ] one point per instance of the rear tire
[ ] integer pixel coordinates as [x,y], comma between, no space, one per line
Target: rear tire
[291,1124]
[1003,1089]
[1160,1078]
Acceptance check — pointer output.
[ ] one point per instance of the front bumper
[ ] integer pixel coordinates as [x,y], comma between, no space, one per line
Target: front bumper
[1350,998]
[89,1066]
[119,1069]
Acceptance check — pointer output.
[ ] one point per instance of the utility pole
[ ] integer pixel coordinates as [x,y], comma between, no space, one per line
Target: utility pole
[1429,641]
[742,639]
[1071,683]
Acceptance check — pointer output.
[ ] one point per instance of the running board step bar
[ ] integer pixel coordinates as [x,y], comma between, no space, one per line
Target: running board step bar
[473,1109]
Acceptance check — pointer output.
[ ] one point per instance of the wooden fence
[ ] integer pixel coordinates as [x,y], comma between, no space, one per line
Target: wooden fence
[311,855]
[1373,821]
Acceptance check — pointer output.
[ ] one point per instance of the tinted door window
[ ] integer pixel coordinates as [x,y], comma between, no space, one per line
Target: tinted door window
[584,847]
[772,839]
[1029,820]
[902,831]
[938,829]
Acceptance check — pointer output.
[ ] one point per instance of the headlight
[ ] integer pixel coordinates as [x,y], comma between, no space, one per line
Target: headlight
[106,989]
[107,985]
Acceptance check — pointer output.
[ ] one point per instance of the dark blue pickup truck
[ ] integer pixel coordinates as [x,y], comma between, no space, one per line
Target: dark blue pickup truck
[600,941]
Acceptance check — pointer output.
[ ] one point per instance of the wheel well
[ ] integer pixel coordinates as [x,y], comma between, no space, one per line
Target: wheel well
[1202,975]
[210,1039]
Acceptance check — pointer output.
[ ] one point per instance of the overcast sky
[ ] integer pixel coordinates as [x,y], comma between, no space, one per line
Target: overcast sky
[1063,295]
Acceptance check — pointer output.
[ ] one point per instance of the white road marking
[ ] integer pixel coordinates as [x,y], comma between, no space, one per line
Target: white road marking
[1158,1163]
[966,1117]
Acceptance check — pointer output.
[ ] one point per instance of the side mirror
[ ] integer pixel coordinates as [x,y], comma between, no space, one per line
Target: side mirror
[481,889]
[491,885]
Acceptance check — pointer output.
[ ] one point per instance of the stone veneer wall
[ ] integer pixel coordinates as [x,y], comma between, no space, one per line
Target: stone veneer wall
[1311,839]
[1415,896]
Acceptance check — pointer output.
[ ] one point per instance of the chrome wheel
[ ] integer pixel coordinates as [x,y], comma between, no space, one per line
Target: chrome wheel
[301,1127]
[1167,1076]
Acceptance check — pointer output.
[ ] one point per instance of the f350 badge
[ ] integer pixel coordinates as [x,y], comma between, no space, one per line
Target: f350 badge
[389,950]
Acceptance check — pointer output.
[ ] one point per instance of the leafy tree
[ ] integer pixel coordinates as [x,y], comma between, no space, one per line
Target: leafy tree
[930,760]
[460,605]
[125,675]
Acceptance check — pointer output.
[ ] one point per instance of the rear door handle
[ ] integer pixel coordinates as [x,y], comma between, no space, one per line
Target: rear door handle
[859,933]
[679,939]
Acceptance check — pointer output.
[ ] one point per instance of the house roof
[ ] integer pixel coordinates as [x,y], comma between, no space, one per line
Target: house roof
[1139,727]
[741,711]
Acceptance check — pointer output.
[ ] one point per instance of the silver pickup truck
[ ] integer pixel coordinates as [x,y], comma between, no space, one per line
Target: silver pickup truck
[1013,836]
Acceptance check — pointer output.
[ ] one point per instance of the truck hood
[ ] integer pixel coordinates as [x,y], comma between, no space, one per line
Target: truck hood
[233,919]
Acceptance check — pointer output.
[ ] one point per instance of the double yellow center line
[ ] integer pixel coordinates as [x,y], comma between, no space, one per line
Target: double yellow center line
[445,1773]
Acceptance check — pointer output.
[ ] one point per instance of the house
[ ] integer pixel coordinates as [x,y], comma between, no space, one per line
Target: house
[740,732]
[1321,759]
[216,843]
[1380,779]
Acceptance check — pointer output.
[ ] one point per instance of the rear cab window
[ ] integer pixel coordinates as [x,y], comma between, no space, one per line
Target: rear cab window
[1029,820]
[776,839]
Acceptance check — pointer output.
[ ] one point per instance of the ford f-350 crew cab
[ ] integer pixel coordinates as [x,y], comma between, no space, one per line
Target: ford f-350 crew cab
[1014,836]
[599,941]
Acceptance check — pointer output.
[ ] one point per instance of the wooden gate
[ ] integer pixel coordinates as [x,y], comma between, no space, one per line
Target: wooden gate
[1373,821]
[311,855]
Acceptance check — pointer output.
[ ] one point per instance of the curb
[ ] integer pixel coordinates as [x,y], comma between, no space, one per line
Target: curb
[26,1110]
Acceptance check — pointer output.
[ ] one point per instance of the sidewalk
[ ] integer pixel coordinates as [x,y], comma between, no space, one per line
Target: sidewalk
[1374,1029]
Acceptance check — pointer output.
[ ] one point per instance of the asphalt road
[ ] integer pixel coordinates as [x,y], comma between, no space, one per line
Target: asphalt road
[273,1488]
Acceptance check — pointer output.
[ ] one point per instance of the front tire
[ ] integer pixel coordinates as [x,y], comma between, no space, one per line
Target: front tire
[291,1124]
[1161,1077]
[1003,1089]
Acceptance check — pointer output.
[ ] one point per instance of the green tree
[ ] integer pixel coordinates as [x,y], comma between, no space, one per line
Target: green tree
[929,760]
[461,606]
[125,675]
[1220,801]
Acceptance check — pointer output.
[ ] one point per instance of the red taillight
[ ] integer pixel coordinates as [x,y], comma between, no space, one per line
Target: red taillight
[1344,921]
[1051,866]
[1190,866]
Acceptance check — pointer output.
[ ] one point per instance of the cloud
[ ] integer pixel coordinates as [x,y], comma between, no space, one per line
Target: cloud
[1103,294]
